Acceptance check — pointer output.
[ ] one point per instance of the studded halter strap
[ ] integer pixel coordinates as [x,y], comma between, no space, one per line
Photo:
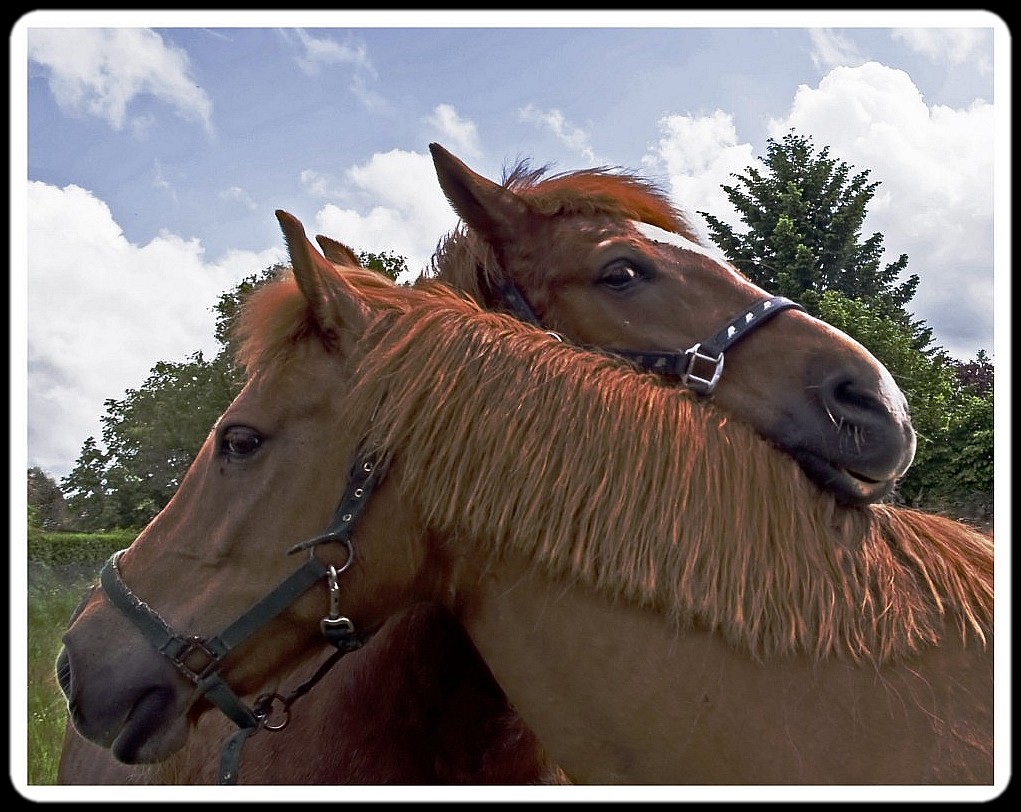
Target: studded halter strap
[700,366]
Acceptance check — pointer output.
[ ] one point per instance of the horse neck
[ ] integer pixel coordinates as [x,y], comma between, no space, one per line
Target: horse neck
[615,692]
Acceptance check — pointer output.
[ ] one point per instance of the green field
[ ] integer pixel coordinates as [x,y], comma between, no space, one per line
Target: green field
[60,569]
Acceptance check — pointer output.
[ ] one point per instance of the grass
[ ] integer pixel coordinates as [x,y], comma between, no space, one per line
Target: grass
[53,593]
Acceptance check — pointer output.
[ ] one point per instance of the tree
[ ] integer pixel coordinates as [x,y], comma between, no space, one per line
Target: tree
[46,505]
[804,218]
[151,437]
[976,376]
[388,263]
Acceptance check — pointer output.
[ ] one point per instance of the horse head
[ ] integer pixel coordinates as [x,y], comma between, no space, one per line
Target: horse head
[605,260]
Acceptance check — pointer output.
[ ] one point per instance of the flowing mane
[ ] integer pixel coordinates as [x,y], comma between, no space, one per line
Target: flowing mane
[607,477]
[601,191]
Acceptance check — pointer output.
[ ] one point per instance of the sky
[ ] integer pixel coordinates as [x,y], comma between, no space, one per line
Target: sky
[158,146]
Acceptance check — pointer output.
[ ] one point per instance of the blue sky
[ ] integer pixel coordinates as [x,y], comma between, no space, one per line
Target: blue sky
[159,144]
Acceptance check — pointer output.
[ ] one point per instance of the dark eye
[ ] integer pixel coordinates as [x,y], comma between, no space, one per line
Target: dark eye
[239,441]
[620,274]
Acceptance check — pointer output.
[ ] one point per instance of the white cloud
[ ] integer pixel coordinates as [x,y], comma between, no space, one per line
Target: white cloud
[100,71]
[934,165]
[554,120]
[102,311]
[409,213]
[829,49]
[698,154]
[318,52]
[935,198]
[457,134]
[958,46]
[235,194]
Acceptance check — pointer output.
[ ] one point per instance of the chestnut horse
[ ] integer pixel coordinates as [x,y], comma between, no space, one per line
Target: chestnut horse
[572,252]
[663,596]
[418,706]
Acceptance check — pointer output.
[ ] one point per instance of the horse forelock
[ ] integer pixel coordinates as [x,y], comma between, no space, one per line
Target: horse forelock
[276,318]
[608,477]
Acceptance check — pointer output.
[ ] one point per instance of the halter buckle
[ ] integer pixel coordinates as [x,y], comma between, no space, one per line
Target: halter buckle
[700,382]
[191,646]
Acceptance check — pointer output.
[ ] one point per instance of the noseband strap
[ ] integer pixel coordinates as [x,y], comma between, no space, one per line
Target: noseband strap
[700,366]
[199,658]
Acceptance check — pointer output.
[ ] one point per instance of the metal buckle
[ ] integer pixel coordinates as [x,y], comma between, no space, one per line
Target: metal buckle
[191,646]
[700,383]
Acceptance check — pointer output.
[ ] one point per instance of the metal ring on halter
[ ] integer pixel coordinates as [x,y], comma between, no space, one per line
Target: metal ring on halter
[264,706]
[347,542]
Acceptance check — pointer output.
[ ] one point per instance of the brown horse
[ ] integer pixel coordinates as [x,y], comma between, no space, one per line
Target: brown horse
[418,706]
[572,253]
[661,594]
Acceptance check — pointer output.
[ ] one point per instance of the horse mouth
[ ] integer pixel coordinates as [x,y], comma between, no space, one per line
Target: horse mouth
[849,487]
[147,735]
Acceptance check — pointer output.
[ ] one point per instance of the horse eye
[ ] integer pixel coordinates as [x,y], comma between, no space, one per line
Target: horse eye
[620,274]
[239,441]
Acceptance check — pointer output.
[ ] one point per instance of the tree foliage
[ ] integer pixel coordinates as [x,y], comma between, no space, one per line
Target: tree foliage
[804,225]
[804,217]
[388,263]
[47,509]
[150,437]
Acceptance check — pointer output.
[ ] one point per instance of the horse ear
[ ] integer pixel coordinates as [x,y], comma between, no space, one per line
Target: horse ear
[493,211]
[336,304]
[337,252]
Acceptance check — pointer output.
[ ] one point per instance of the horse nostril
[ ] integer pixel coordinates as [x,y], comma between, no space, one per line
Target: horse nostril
[854,397]
[847,400]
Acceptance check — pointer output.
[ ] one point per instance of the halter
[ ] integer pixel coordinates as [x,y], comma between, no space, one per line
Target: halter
[199,658]
[700,366]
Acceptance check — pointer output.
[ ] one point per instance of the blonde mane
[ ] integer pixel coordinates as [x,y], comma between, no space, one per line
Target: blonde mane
[467,262]
[507,439]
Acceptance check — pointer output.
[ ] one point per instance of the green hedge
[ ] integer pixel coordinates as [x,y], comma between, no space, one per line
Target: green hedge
[87,549]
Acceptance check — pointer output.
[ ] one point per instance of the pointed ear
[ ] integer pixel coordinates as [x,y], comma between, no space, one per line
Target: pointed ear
[336,304]
[495,213]
[337,252]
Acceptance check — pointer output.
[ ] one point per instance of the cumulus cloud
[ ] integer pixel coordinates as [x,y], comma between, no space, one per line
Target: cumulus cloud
[457,134]
[100,71]
[102,311]
[698,154]
[555,121]
[935,198]
[934,165]
[407,213]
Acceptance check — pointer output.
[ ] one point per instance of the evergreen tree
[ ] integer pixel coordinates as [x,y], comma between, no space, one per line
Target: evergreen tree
[804,225]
